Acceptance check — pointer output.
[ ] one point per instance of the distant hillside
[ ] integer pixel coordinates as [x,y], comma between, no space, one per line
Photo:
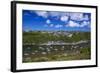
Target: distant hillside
[38,37]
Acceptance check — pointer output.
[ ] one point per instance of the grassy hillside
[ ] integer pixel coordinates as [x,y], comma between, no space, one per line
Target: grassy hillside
[40,37]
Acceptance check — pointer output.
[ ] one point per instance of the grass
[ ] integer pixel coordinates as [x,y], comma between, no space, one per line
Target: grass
[83,54]
[39,38]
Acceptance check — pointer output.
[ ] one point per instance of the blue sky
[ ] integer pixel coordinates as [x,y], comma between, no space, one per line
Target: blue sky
[55,20]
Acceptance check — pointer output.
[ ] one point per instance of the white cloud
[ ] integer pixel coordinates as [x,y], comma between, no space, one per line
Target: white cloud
[48,21]
[48,25]
[65,14]
[86,17]
[51,25]
[58,26]
[73,24]
[85,23]
[42,13]
[64,18]
[76,16]
[53,13]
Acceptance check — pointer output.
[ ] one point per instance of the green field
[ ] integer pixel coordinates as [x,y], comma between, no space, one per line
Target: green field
[40,46]
[39,37]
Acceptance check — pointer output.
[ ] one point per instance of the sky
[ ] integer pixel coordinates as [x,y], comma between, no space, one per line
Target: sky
[33,20]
